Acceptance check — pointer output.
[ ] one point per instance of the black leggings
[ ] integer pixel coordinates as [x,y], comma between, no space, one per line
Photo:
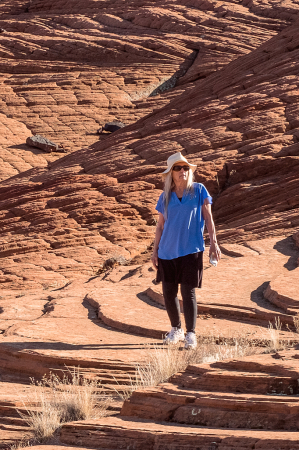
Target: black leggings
[170,291]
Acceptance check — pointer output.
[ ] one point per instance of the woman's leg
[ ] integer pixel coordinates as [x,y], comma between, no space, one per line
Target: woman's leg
[190,306]
[172,304]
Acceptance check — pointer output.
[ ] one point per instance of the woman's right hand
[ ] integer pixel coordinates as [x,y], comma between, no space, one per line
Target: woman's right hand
[154,259]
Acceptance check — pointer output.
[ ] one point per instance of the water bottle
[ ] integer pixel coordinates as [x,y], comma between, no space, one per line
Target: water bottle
[213,260]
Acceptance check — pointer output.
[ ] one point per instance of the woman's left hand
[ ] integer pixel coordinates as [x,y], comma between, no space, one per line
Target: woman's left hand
[215,250]
[154,259]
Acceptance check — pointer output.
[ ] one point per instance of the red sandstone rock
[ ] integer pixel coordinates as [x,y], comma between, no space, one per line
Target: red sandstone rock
[73,194]
[60,224]
[66,69]
[112,433]
[226,395]
[53,447]
[32,344]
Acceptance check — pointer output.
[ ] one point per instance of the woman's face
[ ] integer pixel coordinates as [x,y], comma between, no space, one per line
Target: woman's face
[181,175]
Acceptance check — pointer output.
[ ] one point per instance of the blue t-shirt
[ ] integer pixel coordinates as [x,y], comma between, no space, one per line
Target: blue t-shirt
[184,226]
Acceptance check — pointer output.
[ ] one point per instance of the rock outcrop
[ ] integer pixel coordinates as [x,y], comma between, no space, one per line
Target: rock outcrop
[67,68]
[100,201]
[113,126]
[230,404]
[217,81]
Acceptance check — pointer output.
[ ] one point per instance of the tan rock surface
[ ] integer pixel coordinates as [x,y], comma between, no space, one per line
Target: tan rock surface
[90,309]
[54,328]
[236,288]
[283,292]
[224,301]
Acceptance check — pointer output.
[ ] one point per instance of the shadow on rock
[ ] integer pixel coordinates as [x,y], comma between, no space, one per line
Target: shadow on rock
[288,247]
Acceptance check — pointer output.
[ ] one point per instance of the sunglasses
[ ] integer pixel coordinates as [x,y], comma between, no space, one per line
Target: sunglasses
[178,168]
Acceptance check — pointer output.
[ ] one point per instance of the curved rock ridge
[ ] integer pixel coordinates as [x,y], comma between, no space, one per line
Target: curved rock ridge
[109,320]
[248,403]
[152,435]
[68,67]
[222,303]
[95,323]
[99,202]
[283,292]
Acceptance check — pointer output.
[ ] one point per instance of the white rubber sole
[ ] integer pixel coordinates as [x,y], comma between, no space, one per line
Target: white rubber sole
[190,346]
[168,342]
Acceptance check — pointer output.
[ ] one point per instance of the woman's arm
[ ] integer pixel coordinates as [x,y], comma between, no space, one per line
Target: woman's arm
[207,215]
[159,231]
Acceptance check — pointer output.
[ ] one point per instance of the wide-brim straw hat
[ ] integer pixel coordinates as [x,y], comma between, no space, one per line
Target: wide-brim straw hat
[177,157]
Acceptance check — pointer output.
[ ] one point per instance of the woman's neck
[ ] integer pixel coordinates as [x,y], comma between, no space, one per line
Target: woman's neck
[179,188]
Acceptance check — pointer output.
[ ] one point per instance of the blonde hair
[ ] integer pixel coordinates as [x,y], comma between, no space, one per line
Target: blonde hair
[169,185]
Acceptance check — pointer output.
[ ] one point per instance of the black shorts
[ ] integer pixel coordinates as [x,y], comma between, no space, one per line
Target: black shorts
[183,270]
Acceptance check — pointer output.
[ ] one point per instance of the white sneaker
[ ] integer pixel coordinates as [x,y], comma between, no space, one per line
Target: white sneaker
[174,336]
[190,340]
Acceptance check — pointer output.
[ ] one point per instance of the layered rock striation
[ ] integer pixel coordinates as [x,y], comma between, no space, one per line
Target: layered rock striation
[76,231]
[251,403]
[69,67]
[240,130]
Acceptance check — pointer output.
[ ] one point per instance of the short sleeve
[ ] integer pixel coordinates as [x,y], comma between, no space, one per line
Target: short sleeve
[160,204]
[205,194]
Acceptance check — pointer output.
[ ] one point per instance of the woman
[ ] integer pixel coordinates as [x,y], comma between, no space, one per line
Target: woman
[184,209]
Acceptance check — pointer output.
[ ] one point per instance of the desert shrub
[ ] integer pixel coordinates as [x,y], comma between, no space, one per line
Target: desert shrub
[163,361]
[274,343]
[23,443]
[296,323]
[58,400]
[113,261]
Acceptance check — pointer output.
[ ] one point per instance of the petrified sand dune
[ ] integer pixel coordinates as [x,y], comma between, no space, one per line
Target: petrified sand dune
[240,130]
[86,324]
[68,67]
[217,81]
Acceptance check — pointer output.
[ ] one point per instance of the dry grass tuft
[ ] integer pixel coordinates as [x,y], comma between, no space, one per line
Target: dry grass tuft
[296,323]
[163,361]
[274,343]
[113,261]
[57,400]
[21,444]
